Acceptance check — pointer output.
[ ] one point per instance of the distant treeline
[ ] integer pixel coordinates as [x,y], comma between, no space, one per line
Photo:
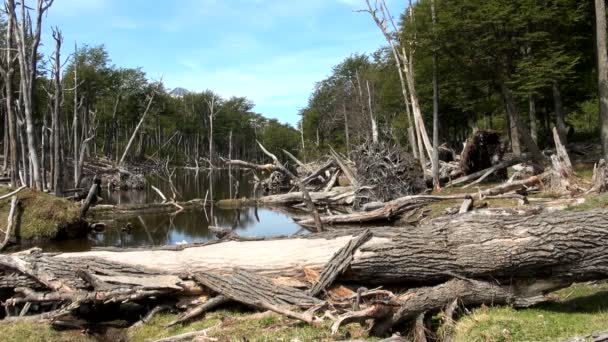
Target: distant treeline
[493,57]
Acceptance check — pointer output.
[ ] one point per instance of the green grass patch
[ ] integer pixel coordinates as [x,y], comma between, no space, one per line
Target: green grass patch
[579,311]
[35,332]
[43,214]
[592,202]
[240,326]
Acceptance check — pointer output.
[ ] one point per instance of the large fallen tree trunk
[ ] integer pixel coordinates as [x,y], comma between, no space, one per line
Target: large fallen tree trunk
[560,245]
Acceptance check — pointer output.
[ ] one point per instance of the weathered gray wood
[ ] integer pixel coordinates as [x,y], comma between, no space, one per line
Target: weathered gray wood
[468,292]
[90,197]
[466,206]
[251,289]
[200,310]
[339,263]
[387,213]
[568,244]
[11,222]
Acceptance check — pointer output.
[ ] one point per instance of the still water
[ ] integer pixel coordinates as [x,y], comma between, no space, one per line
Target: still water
[187,226]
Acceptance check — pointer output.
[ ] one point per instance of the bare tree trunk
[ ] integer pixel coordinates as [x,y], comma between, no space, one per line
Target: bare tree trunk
[211,106]
[532,113]
[56,126]
[560,121]
[27,37]
[8,70]
[602,67]
[5,142]
[75,136]
[346,132]
[44,139]
[435,163]
[521,130]
[302,137]
[25,166]
[371,115]
[229,166]
[143,117]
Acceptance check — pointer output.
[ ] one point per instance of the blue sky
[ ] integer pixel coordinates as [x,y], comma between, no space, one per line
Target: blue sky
[272,51]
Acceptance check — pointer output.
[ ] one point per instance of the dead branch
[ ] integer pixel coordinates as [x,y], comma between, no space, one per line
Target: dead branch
[339,263]
[12,219]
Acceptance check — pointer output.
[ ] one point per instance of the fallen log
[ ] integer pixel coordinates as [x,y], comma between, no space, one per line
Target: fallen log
[319,172]
[468,292]
[485,172]
[565,244]
[142,209]
[336,196]
[387,213]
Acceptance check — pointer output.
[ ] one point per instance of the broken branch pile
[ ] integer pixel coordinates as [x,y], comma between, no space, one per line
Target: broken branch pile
[385,173]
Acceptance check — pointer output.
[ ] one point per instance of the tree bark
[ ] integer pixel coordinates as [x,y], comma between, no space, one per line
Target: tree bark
[532,114]
[567,245]
[371,115]
[435,164]
[560,117]
[8,71]
[602,66]
[518,130]
[56,126]
[27,36]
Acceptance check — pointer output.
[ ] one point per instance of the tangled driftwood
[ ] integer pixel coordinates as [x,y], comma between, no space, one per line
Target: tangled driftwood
[386,172]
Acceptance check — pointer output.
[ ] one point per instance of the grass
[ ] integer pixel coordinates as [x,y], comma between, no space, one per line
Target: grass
[579,311]
[43,214]
[239,326]
[35,332]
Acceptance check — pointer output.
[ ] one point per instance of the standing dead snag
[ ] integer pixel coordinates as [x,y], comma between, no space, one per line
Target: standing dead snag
[141,121]
[7,69]
[57,181]
[27,37]
[600,178]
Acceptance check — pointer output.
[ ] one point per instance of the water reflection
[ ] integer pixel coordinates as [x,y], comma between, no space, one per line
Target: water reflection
[187,226]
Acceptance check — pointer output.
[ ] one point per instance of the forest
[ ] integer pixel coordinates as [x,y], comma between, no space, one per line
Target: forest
[450,186]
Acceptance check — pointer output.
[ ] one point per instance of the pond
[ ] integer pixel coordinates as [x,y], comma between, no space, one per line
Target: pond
[187,226]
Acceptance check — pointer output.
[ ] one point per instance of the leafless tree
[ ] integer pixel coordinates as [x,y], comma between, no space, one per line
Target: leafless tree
[27,38]
[57,173]
[602,66]
[435,163]
[141,121]
[405,64]
[7,69]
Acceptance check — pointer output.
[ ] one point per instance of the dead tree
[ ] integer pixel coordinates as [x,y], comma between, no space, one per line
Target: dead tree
[7,70]
[602,66]
[27,37]
[382,18]
[435,158]
[141,121]
[57,180]
[77,105]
